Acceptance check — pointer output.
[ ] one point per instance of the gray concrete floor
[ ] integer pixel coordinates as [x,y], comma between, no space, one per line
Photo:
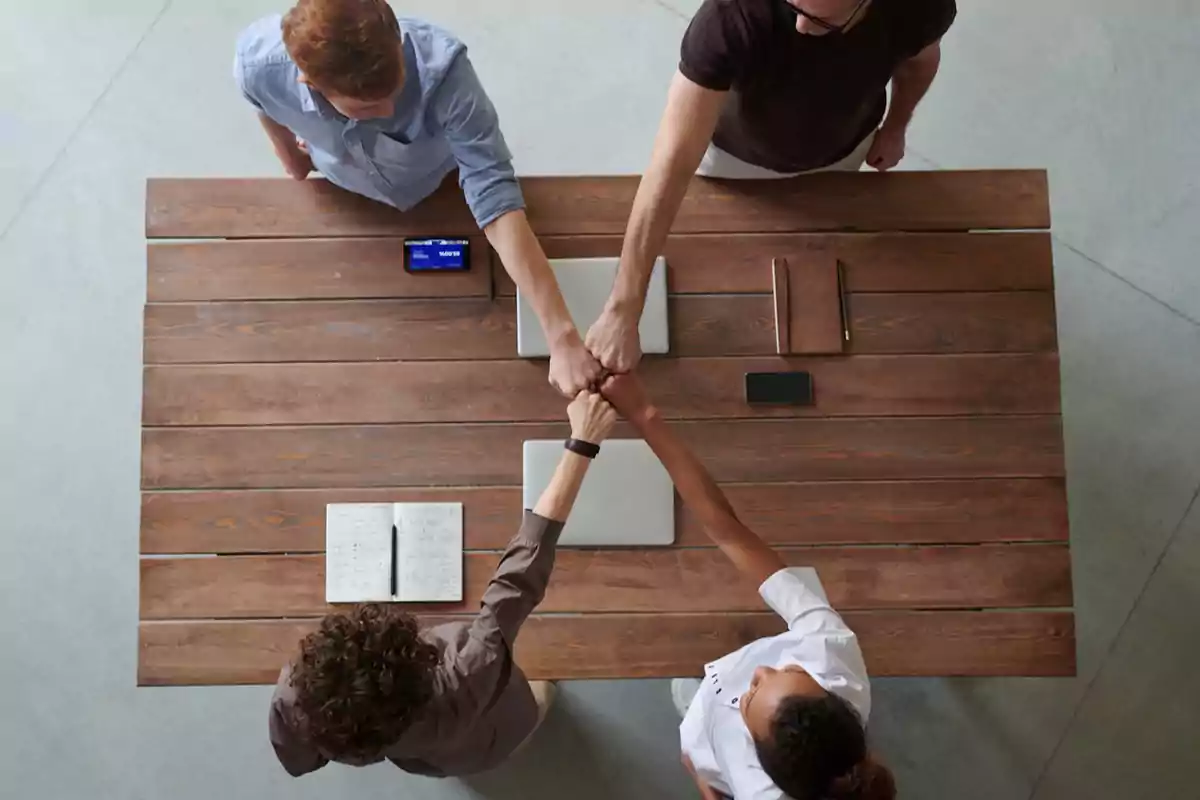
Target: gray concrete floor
[96,97]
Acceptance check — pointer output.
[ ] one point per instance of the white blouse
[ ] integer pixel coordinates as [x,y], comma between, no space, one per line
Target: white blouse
[713,734]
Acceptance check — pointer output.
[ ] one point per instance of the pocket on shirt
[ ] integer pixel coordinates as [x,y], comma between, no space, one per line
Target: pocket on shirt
[391,150]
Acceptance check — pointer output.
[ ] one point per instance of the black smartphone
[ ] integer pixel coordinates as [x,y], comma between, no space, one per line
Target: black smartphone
[437,255]
[779,388]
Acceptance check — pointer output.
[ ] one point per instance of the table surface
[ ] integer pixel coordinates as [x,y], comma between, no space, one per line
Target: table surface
[291,362]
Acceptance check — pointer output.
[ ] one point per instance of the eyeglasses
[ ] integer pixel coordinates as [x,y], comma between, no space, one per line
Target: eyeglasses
[825,24]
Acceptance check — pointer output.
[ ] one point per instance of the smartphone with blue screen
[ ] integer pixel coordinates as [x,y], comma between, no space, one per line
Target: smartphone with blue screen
[437,255]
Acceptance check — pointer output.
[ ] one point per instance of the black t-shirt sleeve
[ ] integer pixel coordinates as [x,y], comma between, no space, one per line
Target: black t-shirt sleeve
[932,24]
[716,45]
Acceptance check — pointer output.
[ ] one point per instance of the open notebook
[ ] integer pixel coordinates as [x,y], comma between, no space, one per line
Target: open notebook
[422,561]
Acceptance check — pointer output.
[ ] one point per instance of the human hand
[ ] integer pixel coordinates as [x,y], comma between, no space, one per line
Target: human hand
[296,160]
[887,149]
[572,367]
[613,339]
[592,418]
[627,395]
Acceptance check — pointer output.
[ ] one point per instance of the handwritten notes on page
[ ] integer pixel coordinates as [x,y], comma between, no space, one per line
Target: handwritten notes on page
[359,559]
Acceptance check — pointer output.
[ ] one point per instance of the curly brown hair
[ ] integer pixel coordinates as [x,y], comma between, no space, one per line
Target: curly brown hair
[348,47]
[362,678]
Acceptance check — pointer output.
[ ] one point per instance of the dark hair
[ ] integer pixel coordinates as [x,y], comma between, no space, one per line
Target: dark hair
[817,750]
[361,679]
[348,47]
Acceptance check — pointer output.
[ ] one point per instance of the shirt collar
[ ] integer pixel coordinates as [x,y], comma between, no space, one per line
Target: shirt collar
[311,102]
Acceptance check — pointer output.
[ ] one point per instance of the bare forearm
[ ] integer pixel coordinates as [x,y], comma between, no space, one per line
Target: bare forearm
[282,139]
[700,493]
[556,502]
[523,258]
[687,127]
[910,83]
[658,198]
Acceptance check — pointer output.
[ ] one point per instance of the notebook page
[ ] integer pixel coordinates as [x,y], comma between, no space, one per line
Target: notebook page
[429,552]
[358,552]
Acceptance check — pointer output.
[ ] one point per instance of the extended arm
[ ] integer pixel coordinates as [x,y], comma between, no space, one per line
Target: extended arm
[520,581]
[753,557]
[683,135]
[490,186]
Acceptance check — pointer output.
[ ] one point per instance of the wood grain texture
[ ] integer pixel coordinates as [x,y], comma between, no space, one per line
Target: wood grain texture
[975,323]
[731,325]
[877,512]
[895,201]
[755,451]
[659,580]
[294,521]
[875,262]
[814,306]
[895,643]
[287,269]
[503,391]
[329,331]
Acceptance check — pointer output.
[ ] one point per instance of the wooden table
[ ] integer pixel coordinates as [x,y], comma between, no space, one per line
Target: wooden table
[291,362]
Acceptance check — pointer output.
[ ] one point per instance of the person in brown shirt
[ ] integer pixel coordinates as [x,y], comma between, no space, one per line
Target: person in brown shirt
[370,685]
[772,89]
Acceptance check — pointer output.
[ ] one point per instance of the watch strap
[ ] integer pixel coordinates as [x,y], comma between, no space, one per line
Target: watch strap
[580,447]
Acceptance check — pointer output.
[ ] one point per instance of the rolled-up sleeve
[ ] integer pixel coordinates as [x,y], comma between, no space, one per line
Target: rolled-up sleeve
[796,594]
[472,127]
[520,580]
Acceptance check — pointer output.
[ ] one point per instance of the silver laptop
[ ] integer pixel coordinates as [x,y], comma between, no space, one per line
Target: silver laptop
[586,284]
[627,497]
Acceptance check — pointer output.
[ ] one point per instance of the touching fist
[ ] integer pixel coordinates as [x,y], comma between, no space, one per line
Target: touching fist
[592,418]
[573,368]
[625,392]
[613,340]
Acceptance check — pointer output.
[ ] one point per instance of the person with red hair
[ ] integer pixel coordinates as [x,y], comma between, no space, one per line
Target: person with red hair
[387,107]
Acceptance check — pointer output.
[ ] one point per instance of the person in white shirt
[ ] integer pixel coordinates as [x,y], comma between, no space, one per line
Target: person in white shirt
[785,716]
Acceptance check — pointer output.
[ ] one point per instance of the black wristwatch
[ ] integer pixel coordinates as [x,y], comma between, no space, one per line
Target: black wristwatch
[580,447]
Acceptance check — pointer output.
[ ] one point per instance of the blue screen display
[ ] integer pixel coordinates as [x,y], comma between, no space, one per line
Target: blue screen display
[427,255]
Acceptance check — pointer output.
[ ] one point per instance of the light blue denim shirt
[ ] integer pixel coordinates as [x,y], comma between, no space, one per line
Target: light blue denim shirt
[443,120]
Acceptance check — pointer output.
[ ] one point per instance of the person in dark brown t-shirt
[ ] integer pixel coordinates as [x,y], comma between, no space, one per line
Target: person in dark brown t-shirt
[771,89]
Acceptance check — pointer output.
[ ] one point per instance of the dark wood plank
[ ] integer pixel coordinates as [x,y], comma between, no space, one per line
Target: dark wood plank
[896,201]
[502,391]
[659,580]
[734,325]
[1018,322]
[978,323]
[874,262]
[895,643]
[877,512]
[294,521]
[754,451]
[287,269]
[329,331]
[815,306]
[894,512]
